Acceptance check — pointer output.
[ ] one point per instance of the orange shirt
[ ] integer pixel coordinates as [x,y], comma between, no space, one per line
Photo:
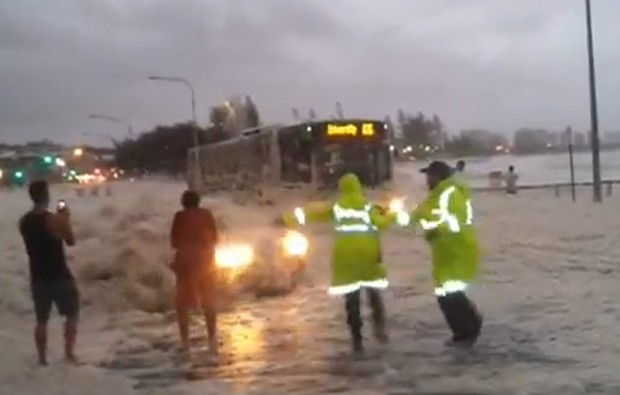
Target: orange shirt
[193,235]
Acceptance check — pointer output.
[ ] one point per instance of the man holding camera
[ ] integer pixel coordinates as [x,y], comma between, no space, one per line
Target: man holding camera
[52,283]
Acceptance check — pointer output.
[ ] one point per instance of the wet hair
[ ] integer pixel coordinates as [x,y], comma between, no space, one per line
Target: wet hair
[190,199]
[39,192]
[511,168]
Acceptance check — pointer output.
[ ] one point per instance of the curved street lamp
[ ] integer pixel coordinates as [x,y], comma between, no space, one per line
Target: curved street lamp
[107,136]
[109,118]
[193,99]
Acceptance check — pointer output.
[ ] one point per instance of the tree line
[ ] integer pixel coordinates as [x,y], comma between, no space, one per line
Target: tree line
[164,149]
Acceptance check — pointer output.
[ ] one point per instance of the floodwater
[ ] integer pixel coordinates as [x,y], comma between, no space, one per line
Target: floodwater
[540,169]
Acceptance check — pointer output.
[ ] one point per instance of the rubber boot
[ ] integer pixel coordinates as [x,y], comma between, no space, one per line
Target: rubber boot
[354,320]
[466,318]
[446,304]
[378,316]
[475,318]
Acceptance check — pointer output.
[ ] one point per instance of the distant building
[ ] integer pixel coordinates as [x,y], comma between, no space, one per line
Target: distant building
[477,134]
[611,137]
[565,139]
[486,140]
[531,140]
[554,139]
[579,139]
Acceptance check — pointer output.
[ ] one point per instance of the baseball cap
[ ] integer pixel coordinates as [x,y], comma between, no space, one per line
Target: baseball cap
[438,168]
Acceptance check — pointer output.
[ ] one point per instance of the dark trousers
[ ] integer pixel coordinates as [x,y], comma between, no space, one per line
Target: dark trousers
[354,316]
[462,316]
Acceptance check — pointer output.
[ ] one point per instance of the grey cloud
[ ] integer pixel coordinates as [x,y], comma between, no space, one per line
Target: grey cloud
[494,63]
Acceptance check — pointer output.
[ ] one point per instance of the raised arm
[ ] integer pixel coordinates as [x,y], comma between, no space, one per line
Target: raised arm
[60,224]
[381,218]
[310,213]
[436,214]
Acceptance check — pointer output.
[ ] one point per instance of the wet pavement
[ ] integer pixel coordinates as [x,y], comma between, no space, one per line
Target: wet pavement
[291,345]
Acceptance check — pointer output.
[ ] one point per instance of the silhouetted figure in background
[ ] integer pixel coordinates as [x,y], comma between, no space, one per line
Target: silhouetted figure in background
[510,179]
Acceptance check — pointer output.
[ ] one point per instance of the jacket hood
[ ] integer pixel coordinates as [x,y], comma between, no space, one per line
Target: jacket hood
[351,192]
[349,184]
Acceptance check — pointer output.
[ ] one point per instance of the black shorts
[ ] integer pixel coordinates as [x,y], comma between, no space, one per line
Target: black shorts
[63,294]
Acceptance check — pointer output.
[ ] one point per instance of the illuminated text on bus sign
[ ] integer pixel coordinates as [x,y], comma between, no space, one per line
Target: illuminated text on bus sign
[367,129]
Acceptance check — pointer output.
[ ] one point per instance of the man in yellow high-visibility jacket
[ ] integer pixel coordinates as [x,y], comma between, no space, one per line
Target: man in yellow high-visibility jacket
[356,254]
[446,218]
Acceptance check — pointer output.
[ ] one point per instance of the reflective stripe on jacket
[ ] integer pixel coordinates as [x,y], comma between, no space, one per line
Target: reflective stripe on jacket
[447,218]
[356,253]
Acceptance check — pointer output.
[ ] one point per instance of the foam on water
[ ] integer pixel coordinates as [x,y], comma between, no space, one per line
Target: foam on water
[548,289]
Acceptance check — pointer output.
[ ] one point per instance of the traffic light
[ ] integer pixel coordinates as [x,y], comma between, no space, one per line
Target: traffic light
[48,159]
[18,178]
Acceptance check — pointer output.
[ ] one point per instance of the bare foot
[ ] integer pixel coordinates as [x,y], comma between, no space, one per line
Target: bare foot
[182,348]
[72,359]
[382,337]
[214,345]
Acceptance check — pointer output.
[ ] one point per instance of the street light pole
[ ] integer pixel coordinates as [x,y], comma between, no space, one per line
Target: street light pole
[197,171]
[109,118]
[596,160]
[193,100]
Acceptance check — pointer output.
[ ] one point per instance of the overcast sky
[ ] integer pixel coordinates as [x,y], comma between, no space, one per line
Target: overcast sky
[497,64]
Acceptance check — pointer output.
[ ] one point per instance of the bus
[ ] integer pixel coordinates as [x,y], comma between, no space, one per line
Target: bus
[313,153]
[320,152]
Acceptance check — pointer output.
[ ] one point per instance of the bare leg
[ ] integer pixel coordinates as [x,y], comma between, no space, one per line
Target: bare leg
[210,314]
[183,322]
[40,339]
[208,299]
[70,334]
[211,321]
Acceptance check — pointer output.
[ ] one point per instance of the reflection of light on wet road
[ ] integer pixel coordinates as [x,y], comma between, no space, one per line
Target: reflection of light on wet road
[258,343]
[242,354]
[243,336]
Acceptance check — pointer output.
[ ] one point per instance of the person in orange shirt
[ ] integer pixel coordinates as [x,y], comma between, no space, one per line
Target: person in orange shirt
[194,236]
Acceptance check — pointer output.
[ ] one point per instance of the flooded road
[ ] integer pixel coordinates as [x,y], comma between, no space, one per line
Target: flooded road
[299,345]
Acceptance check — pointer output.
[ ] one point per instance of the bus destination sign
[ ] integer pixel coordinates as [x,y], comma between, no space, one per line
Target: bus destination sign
[351,130]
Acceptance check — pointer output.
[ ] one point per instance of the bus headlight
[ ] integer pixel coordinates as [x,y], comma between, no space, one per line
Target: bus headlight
[234,255]
[294,244]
